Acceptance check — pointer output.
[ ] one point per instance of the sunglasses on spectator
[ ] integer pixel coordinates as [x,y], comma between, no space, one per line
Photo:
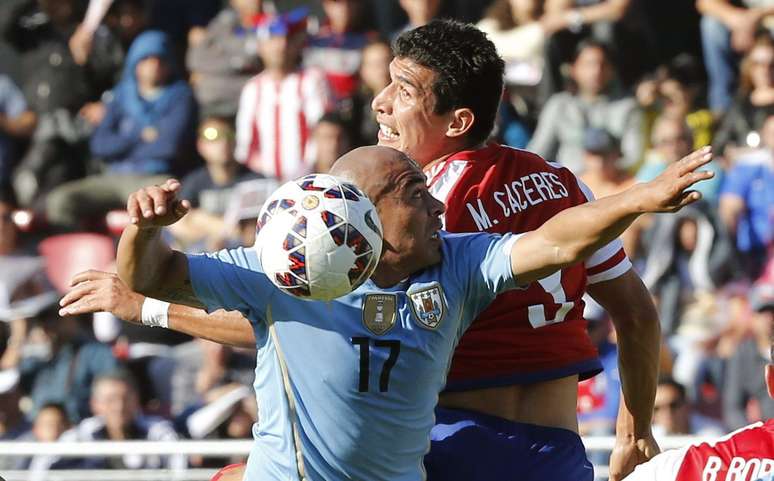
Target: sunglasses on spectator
[672,406]
[212,134]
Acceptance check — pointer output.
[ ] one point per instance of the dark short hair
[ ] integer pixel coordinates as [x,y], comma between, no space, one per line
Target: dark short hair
[469,71]
[669,381]
[592,43]
[118,375]
[56,406]
[334,118]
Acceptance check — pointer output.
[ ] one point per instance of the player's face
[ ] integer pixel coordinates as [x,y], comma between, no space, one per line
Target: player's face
[411,222]
[406,116]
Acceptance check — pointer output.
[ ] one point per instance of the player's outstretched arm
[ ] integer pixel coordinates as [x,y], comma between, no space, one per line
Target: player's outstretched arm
[95,291]
[145,262]
[575,234]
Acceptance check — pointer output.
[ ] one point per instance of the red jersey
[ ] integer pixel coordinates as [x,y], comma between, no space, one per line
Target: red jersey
[744,455]
[536,333]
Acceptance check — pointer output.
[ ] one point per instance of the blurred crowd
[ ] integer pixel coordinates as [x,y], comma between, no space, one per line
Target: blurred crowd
[101,97]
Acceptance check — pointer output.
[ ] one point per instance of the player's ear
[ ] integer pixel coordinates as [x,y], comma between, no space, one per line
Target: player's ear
[770,379]
[461,122]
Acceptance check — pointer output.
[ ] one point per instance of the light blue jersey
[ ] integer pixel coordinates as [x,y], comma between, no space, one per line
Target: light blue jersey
[364,370]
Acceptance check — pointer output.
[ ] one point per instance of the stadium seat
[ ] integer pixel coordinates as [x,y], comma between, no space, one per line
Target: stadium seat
[69,254]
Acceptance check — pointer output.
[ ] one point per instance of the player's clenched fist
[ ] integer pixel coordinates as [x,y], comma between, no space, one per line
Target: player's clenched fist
[157,205]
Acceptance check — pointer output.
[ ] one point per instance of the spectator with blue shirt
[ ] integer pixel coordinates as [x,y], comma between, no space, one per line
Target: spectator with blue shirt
[747,201]
[341,398]
[147,129]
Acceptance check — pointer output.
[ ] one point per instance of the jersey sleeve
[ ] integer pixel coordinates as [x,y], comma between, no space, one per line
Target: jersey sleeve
[485,268]
[231,279]
[608,262]
[663,467]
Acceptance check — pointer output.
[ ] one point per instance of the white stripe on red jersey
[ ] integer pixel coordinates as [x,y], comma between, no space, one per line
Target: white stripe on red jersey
[744,455]
[275,120]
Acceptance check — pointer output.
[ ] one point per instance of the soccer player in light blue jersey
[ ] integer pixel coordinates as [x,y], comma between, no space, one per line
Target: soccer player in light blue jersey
[342,396]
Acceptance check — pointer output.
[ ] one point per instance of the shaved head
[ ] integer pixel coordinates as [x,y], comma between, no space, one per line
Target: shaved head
[376,170]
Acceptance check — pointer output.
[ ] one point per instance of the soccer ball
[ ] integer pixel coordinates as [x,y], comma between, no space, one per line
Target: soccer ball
[318,237]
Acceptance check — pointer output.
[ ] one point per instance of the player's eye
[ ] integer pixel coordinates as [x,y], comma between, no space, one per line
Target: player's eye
[404,93]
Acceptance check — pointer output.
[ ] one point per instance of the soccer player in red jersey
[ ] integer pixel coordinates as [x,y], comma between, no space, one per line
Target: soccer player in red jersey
[510,401]
[747,454]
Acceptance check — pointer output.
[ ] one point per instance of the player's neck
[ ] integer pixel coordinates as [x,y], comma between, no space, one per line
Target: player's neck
[388,275]
[452,152]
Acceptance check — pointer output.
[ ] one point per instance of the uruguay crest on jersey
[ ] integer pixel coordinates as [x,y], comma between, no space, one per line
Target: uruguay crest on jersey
[428,306]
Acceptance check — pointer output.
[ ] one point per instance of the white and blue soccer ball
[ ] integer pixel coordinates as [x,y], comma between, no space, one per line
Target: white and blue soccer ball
[318,237]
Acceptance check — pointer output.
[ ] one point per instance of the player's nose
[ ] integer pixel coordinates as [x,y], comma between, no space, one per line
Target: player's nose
[381,103]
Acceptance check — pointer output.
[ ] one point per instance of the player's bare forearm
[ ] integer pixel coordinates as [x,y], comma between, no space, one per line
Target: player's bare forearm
[224,327]
[574,234]
[638,331]
[96,291]
[145,262]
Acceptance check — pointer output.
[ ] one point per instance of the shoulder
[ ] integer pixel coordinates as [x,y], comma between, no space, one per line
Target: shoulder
[196,178]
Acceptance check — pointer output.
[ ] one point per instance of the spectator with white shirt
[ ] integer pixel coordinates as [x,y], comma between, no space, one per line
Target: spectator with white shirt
[279,107]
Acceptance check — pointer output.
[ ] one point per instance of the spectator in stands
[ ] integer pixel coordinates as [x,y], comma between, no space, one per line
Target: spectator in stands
[16,121]
[279,107]
[210,187]
[127,19]
[754,102]
[229,413]
[672,139]
[331,139]
[337,48]
[55,86]
[592,101]
[115,404]
[226,57]
[146,129]
[419,13]
[727,29]
[47,426]
[680,96]
[673,414]
[686,255]
[59,364]
[50,423]
[621,24]
[516,28]
[374,77]
[746,199]
[203,365]
[743,384]
[602,171]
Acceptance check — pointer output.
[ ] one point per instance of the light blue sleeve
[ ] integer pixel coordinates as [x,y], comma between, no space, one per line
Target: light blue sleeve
[484,267]
[231,279]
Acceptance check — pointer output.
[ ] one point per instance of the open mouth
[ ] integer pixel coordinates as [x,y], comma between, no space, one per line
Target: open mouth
[388,133]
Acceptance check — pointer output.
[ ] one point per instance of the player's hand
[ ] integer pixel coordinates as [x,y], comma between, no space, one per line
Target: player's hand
[96,291]
[157,205]
[627,454]
[668,192]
